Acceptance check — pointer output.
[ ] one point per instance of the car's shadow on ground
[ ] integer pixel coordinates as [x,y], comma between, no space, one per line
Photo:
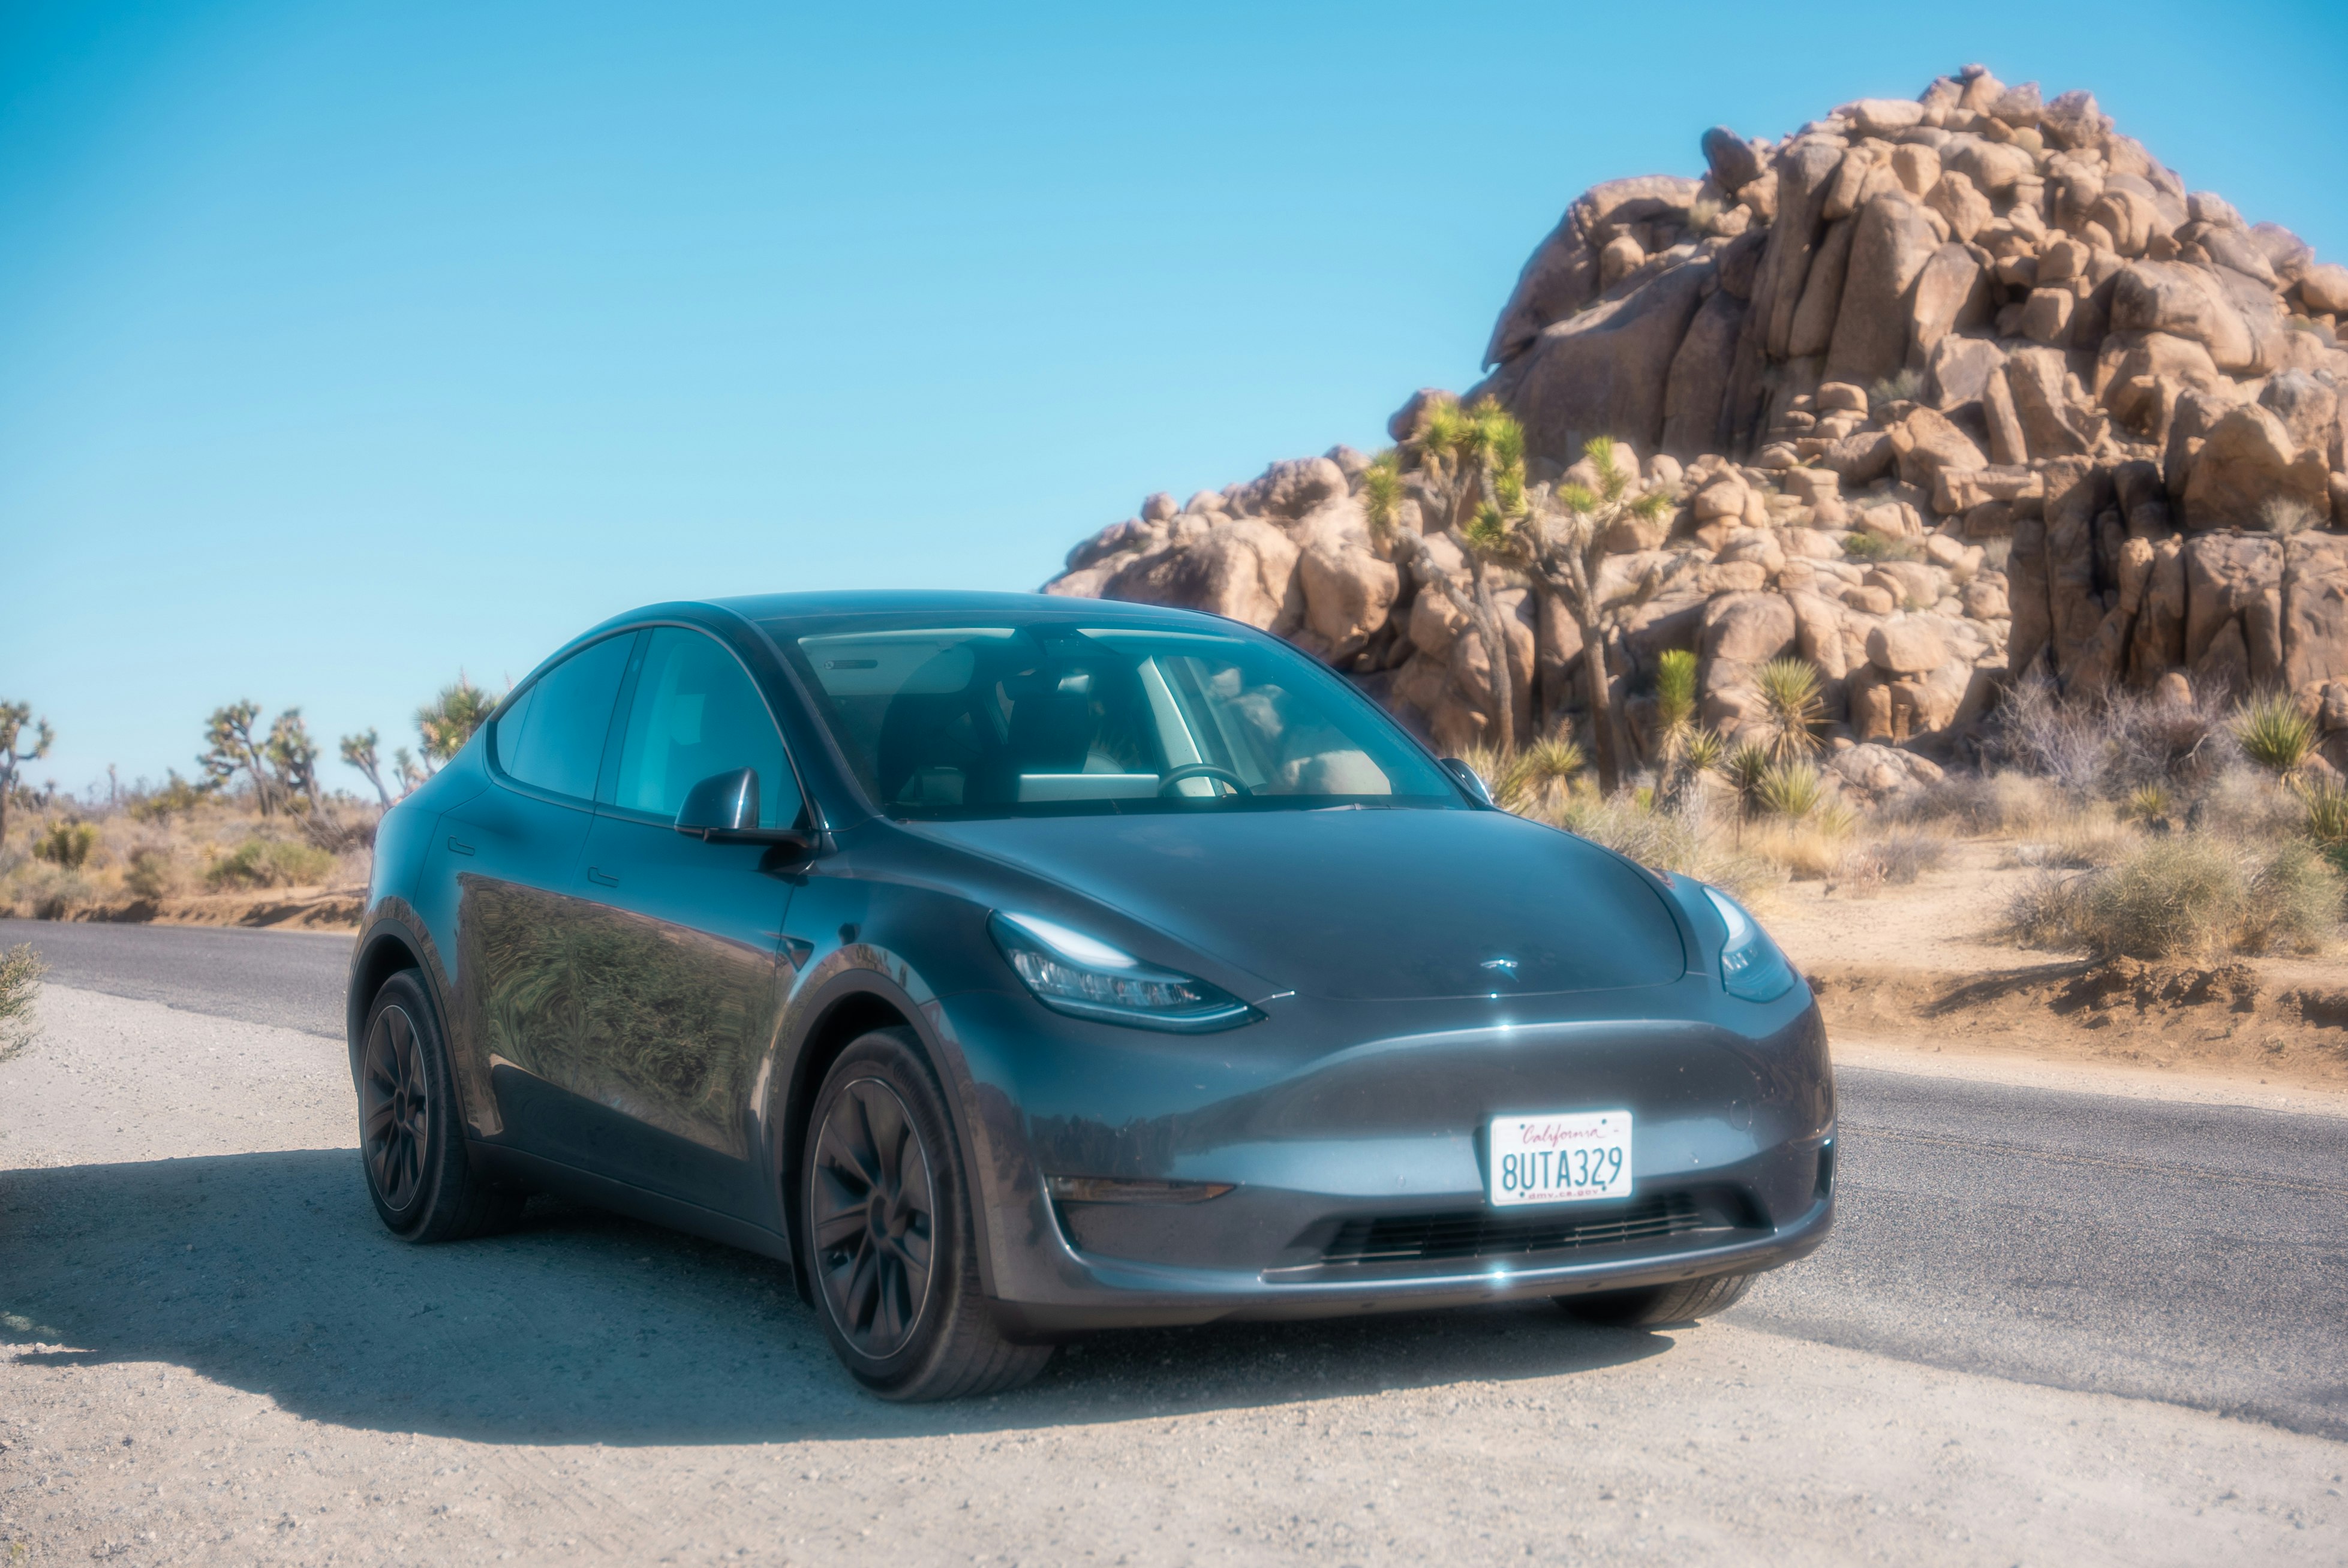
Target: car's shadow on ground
[270,1273]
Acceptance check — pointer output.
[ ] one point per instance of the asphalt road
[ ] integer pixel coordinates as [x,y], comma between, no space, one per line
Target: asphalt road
[288,980]
[2192,1253]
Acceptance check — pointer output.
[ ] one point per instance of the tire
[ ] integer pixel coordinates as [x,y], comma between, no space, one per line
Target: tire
[412,1129]
[1682,1303]
[885,1214]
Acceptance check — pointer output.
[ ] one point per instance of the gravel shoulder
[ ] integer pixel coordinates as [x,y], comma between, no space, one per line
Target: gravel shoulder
[212,1354]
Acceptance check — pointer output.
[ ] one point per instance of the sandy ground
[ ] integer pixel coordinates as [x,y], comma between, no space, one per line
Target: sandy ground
[588,1389]
[1923,968]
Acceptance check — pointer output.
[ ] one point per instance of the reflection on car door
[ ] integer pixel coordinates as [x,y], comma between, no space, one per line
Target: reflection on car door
[679,939]
[512,852]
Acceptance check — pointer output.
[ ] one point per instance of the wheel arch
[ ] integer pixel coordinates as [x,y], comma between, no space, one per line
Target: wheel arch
[851,1005]
[388,948]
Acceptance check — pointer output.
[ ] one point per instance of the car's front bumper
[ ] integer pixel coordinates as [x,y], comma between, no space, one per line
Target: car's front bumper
[1334,1122]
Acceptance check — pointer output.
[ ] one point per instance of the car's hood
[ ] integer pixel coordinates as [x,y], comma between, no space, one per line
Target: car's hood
[1362,904]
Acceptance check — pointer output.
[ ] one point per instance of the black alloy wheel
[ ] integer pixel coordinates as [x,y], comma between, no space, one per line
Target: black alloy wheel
[875,1212]
[395,1108]
[411,1128]
[887,1232]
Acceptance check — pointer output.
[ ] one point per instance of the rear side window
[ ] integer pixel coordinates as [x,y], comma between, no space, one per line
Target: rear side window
[697,713]
[552,737]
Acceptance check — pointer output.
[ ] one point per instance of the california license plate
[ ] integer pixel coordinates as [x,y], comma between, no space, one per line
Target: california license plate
[1568,1157]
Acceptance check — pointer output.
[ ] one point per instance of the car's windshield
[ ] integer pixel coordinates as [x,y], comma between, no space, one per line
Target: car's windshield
[1050,718]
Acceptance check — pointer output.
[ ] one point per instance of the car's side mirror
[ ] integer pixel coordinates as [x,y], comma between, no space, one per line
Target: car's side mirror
[724,809]
[1469,780]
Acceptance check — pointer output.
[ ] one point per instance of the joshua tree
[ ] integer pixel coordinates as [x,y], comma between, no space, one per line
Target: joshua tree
[1562,531]
[231,748]
[22,738]
[293,757]
[448,721]
[359,752]
[1471,461]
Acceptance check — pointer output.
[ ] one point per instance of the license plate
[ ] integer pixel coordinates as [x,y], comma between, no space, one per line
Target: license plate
[1567,1157]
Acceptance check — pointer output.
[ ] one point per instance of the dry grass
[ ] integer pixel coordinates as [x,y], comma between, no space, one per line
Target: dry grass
[1809,848]
[1690,843]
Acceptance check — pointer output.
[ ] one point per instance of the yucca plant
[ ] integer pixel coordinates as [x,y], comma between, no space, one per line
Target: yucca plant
[1790,788]
[1791,706]
[1674,694]
[1547,769]
[2147,804]
[2274,733]
[2326,822]
[1745,765]
[1693,754]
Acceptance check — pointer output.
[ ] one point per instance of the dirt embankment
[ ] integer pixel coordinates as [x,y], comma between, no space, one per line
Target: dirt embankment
[1925,968]
[285,908]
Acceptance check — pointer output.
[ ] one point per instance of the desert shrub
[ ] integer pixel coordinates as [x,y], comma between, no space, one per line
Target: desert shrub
[20,986]
[2115,743]
[1861,546]
[175,797]
[150,873]
[1904,386]
[67,844]
[43,891]
[1977,802]
[2187,894]
[2292,905]
[2274,733]
[1897,859]
[2249,803]
[1668,841]
[261,862]
[2048,911]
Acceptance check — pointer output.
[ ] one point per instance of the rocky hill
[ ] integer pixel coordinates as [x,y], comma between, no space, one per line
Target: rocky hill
[1943,392]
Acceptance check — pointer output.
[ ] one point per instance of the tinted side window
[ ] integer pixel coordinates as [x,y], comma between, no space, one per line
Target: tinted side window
[554,736]
[697,713]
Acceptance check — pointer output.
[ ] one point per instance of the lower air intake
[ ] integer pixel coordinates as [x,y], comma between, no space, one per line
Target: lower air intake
[1440,1238]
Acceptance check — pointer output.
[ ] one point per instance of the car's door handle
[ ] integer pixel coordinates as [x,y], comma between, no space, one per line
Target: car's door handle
[603,878]
[456,846]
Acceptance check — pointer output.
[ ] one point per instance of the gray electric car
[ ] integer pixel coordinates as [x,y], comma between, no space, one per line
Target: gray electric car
[1015,966]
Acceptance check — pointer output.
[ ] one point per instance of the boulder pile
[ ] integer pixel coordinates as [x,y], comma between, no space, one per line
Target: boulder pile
[1943,393]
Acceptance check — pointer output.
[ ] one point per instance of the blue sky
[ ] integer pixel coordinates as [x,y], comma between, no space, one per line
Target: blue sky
[345,345]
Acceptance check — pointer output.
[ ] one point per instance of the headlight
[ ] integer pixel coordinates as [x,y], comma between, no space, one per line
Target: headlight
[1751,967]
[1072,973]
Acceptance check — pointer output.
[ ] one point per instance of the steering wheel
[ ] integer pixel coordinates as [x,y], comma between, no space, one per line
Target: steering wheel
[1202,771]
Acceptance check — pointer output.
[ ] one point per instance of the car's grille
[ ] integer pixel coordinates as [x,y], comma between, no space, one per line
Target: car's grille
[1434,1238]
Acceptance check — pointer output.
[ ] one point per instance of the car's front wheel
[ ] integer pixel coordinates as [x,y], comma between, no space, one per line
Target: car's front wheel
[411,1131]
[1681,1302]
[886,1214]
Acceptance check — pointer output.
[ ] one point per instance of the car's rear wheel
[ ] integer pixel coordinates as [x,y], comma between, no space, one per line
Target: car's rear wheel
[1681,1302]
[411,1132]
[886,1214]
